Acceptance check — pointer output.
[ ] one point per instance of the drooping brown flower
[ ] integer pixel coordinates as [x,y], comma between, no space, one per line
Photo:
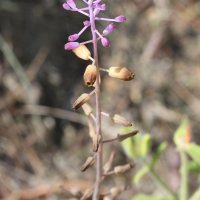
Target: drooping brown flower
[121,73]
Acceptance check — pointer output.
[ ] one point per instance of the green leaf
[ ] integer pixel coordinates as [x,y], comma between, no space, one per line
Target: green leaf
[146,143]
[181,134]
[193,167]
[147,197]
[128,147]
[193,151]
[140,174]
[196,195]
[157,154]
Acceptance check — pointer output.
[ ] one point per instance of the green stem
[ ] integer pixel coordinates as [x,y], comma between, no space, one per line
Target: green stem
[159,181]
[183,195]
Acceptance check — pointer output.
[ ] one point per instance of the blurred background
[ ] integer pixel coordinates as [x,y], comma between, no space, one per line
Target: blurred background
[43,143]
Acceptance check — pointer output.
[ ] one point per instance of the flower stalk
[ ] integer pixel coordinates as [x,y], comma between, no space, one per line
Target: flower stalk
[92,78]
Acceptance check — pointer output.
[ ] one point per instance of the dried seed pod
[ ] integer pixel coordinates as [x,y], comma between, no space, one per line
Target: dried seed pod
[89,162]
[82,52]
[96,141]
[99,81]
[84,98]
[91,128]
[90,75]
[123,136]
[121,73]
[120,120]
[123,168]
[88,193]
[108,164]
[87,109]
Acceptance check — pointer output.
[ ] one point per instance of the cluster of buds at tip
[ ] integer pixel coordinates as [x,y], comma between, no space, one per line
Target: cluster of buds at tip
[82,52]
[121,120]
[90,75]
[84,98]
[89,162]
[121,73]
[123,168]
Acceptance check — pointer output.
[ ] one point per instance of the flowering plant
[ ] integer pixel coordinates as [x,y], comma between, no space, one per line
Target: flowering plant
[92,78]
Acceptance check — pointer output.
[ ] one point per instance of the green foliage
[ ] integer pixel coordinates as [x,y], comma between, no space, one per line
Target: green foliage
[193,167]
[157,154]
[140,174]
[194,151]
[136,146]
[148,197]
[181,133]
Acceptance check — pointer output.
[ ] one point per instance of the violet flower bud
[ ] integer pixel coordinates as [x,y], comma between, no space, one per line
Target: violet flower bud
[108,29]
[71,3]
[105,42]
[101,6]
[71,45]
[74,37]
[120,18]
[65,6]
[96,11]
[86,23]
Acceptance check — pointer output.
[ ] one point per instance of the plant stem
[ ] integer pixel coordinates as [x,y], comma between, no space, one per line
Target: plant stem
[183,195]
[98,106]
[159,181]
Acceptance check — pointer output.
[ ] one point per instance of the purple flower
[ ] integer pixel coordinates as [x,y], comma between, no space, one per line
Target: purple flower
[66,7]
[105,42]
[101,6]
[96,11]
[71,45]
[120,18]
[71,3]
[86,23]
[74,37]
[108,29]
